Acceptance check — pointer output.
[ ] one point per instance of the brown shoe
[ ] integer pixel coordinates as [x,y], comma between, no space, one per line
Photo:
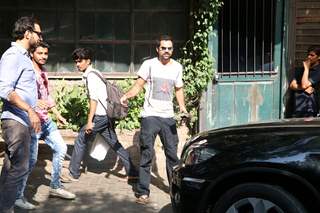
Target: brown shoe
[123,178]
[132,178]
[143,199]
[68,178]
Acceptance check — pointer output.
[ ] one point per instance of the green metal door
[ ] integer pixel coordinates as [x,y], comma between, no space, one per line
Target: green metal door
[247,46]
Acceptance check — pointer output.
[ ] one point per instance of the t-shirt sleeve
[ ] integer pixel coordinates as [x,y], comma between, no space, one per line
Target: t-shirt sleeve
[94,85]
[179,82]
[144,70]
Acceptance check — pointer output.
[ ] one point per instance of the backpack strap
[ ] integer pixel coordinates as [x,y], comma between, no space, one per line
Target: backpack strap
[103,80]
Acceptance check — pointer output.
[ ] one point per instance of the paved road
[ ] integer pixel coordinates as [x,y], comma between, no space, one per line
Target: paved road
[98,190]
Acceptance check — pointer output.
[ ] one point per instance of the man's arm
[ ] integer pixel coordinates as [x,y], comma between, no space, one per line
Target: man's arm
[15,99]
[137,87]
[94,84]
[8,81]
[305,82]
[294,85]
[180,99]
[92,111]
[58,115]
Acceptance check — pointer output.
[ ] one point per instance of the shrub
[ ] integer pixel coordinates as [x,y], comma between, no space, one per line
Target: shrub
[72,103]
[132,121]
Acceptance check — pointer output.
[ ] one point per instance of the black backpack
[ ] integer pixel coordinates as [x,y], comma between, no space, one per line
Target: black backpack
[115,110]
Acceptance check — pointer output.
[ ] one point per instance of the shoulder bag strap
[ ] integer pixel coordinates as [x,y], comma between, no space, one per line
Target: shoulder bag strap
[103,80]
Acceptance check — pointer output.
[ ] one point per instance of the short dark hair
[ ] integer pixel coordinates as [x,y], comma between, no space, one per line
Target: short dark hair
[163,38]
[22,25]
[39,44]
[315,49]
[82,53]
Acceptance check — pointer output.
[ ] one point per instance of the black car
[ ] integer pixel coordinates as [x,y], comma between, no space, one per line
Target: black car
[258,168]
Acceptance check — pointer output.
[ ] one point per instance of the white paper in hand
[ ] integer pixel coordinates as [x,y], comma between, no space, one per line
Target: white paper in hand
[99,148]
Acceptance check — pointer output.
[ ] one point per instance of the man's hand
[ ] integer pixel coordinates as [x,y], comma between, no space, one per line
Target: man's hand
[306,63]
[34,120]
[62,120]
[124,101]
[42,104]
[89,128]
[309,90]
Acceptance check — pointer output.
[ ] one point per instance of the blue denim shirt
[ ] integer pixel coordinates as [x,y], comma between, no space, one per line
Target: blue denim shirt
[17,73]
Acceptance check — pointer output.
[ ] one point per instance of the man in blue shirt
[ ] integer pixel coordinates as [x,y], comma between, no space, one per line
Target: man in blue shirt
[18,91]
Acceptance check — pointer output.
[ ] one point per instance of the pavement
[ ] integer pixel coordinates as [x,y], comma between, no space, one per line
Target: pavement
[101,187]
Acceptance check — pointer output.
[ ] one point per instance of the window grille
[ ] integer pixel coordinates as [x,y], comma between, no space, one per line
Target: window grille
[246,38]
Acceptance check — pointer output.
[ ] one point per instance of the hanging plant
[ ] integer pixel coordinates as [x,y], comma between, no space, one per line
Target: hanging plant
[196,59]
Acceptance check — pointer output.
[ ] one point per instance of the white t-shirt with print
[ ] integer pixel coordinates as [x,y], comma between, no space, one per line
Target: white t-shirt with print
[161,82]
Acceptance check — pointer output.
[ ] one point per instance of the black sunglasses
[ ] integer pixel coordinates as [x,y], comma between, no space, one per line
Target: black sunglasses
[166,48]
[38,33]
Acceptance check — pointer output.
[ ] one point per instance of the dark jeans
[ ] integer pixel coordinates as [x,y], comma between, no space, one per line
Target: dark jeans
[150,128]
[17,139]
[102,126]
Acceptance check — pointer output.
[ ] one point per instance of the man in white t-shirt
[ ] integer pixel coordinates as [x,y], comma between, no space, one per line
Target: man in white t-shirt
[98,121]
[161,76]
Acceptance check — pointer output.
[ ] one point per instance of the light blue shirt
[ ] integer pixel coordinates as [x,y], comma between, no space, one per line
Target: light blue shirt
[17,74]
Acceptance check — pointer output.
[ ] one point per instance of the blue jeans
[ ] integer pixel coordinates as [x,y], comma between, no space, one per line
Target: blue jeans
[102,126]
[150,128]
[17,139]
[52,137]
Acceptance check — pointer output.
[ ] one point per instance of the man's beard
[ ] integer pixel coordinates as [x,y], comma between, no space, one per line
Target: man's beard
[33,43]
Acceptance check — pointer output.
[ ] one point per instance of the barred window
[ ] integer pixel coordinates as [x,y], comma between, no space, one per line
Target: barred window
[246,38]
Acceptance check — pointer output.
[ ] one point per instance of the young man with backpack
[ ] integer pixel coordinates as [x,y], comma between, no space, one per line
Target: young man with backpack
[98,120]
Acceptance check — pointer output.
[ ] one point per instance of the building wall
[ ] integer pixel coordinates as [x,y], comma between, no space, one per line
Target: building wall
[307,27]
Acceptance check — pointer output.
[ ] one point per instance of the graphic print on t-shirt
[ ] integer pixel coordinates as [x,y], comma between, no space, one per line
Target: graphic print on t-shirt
[162,89]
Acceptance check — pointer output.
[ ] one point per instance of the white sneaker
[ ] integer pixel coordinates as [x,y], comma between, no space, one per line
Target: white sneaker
[62,193]
[24,204]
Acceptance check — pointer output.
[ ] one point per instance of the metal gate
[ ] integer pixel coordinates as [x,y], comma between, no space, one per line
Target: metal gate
[247,46]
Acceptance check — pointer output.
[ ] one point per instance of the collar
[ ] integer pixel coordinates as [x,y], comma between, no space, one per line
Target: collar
[20,48]
[85,74]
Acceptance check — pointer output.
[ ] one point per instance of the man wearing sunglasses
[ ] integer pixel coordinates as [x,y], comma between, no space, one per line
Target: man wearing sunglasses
[161,76]
[18,91]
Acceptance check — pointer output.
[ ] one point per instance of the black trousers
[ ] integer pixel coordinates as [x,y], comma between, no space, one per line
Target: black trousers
[150,128]
[102,126]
